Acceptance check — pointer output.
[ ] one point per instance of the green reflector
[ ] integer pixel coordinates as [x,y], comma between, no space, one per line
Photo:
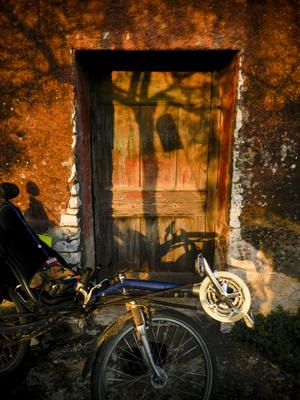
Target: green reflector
[46,239]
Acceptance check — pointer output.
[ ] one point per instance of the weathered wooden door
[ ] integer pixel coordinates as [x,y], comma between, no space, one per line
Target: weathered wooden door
[154,156]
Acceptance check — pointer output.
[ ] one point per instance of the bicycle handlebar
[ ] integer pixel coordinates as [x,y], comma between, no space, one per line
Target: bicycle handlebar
[85,277]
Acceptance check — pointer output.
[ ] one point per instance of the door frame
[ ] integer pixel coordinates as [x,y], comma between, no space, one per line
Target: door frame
[224,64]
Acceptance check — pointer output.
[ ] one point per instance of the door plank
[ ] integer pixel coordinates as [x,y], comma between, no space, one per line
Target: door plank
[127,243]
[140,203]
[126,149]
[159,141]
[192,157]
[190,234]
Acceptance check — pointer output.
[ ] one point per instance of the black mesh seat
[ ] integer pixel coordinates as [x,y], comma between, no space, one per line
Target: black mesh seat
[20,249]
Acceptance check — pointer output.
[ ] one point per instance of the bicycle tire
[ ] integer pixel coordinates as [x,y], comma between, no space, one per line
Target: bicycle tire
[12,354]
[178,349]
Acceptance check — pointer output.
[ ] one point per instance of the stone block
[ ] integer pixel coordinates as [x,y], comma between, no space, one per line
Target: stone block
[69,220]
[70,233]
[75,190]
[72,211]
[73,173]
[67,246]
[72,258]
[74,202]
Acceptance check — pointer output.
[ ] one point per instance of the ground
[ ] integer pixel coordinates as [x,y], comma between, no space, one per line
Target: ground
[54,365]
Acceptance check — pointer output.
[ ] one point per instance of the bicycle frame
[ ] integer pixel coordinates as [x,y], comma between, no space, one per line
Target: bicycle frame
[126,285]
[129,284]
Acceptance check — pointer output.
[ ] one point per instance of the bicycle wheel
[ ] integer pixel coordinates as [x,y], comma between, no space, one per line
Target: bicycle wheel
[12,353]
[178,349]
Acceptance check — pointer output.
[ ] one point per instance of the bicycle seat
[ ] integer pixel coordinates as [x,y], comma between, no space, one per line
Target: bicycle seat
[21,251]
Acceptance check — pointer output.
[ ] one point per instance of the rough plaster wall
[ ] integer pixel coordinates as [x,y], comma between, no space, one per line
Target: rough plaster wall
[269,288]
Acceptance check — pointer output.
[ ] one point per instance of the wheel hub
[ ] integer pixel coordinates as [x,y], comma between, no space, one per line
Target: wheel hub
[159,382]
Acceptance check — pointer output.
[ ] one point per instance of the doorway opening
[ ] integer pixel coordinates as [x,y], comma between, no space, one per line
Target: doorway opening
[154,152]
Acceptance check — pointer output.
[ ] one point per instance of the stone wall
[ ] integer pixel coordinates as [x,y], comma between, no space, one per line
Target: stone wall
[39,126]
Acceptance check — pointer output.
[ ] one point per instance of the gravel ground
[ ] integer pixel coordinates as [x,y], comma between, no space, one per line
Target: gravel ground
[54,365]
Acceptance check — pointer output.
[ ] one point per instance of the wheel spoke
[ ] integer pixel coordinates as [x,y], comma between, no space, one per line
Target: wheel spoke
[180,346]
[124,375]
[131,353]
[177,349]
[12,352]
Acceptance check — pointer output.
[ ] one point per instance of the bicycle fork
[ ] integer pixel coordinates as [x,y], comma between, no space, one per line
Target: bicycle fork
[158,376]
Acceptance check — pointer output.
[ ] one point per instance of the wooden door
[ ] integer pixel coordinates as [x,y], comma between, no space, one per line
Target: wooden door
[153,151]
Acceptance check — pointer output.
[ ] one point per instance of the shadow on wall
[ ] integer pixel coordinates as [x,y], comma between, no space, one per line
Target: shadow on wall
[35,215]
[185,245]
[164,124]
[258,261]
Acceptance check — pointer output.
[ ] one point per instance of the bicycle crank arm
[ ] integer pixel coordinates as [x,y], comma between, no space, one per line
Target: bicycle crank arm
[223,295]
[214,280]
[249,320]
